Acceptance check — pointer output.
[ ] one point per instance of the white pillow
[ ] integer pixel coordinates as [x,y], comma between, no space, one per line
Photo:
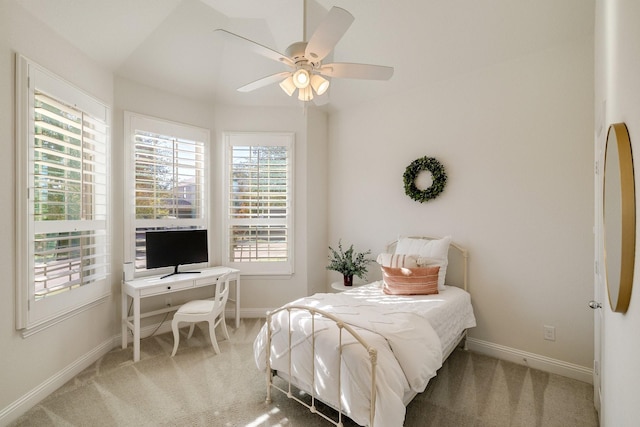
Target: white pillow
[433,251]
[424,262]
[397,260]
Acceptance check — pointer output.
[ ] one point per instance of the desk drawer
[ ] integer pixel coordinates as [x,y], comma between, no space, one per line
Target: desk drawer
[206,281]
[161,289]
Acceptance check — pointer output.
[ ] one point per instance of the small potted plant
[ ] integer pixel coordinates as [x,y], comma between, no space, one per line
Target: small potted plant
[349,263]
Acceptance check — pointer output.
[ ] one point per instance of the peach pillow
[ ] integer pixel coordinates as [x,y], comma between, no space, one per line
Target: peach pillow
[410,281]
[437,249]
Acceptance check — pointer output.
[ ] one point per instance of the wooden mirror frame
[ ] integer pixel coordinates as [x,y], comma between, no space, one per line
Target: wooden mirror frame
[619,217]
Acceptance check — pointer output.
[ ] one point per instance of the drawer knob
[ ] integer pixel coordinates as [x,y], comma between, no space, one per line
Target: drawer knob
[168,287]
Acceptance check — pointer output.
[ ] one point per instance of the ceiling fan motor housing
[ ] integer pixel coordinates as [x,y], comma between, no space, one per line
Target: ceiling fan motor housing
[296,52]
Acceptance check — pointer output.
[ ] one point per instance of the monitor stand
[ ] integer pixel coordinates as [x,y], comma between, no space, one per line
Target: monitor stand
[175,271]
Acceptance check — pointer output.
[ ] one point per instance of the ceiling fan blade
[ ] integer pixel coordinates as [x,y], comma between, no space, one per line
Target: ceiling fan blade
[255,47]
[328,33]
[356,71]
[265,81]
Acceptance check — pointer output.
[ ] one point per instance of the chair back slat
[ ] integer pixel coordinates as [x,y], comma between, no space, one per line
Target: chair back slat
[222,290]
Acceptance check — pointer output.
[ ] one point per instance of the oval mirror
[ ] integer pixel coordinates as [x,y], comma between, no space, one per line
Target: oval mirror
[619,213]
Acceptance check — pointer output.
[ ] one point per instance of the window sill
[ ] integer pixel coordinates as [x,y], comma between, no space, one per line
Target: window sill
[27,332]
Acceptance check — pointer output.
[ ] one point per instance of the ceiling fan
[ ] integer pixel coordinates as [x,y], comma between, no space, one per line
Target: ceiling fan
[304,60]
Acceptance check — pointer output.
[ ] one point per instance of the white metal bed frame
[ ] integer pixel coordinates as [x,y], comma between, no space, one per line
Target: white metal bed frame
[373,359]
[342,326]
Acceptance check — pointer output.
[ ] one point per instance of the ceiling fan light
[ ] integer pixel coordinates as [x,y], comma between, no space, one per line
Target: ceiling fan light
[305,94]
[301,78]
[288,86]
[319,84]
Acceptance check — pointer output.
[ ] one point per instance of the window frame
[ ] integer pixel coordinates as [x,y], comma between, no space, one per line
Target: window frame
[135,121]
[286,139]
[34,315]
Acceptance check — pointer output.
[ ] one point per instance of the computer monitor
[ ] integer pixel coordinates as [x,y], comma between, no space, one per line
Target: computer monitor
[172,248]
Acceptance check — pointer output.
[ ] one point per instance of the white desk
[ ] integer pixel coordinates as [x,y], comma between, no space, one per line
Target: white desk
[153,286]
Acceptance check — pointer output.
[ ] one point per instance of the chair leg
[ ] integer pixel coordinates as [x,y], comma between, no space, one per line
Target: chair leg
[212,335]
[191,328]
[176,337]
[225,332]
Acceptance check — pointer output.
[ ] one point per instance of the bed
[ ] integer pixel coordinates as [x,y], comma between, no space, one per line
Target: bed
[369,351]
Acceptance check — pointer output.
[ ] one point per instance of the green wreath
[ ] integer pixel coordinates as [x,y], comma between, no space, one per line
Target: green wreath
[413,170]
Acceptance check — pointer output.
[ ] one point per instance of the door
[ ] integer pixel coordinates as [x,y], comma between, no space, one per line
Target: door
[598,329]
[599,282]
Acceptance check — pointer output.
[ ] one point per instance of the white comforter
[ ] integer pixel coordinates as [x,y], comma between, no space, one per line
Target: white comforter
[409,349]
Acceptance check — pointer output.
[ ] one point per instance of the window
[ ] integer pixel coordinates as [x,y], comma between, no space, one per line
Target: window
[62,192]
[258,205]
[166,179]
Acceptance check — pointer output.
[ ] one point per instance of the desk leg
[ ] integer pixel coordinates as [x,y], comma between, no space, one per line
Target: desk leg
[136,329]
[124,319]
[238,301]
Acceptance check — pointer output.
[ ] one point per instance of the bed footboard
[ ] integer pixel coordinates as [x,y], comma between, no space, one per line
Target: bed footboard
[342,328]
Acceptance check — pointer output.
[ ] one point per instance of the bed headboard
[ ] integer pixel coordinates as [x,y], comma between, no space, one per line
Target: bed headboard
[457,270]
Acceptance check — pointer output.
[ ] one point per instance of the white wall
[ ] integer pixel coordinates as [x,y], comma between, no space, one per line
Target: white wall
[317,209]
[25,363]
[516,141]
[617,83]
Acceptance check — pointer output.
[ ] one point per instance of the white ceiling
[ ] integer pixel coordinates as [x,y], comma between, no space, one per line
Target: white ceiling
[170,44]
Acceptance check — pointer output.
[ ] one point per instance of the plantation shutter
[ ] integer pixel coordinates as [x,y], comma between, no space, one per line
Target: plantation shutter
[69,197]
[259,202]
[169,177]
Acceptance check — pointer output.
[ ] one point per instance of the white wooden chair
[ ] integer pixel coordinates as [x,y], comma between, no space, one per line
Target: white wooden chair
[209,310]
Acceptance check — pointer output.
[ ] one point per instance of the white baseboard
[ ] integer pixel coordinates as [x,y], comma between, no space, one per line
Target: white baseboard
[249,313]
[33,397]
[532,360]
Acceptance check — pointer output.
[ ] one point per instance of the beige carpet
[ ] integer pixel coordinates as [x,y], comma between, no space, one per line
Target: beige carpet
[198,388]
